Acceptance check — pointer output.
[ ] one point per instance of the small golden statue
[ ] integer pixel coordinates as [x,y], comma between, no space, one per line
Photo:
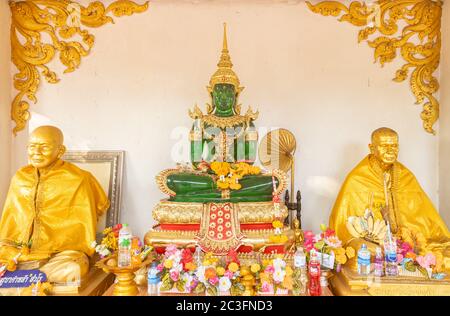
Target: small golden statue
[50,215]
[298,233]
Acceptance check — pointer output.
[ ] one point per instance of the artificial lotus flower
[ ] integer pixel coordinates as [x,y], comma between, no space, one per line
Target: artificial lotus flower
[171,250]
[174,275]
[228,274]
[214,280]
[426,261]
[333,242]
[279,263]
[265,287]
[224,284]
[269,269]
[278,275]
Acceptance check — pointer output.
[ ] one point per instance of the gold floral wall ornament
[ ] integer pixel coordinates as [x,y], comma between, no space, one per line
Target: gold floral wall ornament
[419,42]
[42,29]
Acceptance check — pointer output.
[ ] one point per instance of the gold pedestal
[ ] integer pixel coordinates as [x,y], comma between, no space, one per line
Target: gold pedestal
[348,283]
[125,286]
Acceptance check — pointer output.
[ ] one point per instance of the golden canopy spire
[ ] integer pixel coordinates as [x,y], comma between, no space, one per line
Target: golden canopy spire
[225,74]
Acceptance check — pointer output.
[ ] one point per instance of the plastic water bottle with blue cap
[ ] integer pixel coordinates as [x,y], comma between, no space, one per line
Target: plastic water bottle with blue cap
[153,280]
[363,260]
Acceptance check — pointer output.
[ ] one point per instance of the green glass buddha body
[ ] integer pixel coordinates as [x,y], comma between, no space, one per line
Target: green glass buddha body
[223,135]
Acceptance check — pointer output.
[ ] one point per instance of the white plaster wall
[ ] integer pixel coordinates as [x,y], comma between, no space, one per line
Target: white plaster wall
[444,136]
[302,71]
[5,88]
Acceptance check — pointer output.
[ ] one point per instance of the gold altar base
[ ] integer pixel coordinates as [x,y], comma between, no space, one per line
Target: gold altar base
[257,239]
[180,222]
[348,283]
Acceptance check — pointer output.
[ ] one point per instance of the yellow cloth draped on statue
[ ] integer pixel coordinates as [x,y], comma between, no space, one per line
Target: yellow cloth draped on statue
[50,212]
[411,213]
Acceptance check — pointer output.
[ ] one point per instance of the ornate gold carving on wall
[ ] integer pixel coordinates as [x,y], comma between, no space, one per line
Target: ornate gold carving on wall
[419,42]
[42,29]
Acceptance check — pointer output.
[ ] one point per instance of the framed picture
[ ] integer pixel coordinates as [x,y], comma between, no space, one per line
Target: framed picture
[107,168]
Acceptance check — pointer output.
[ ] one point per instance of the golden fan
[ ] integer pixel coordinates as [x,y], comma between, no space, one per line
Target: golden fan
[276,151]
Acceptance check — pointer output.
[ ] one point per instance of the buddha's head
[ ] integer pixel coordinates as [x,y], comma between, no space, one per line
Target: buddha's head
[384,146]
[224,98]
[45,146]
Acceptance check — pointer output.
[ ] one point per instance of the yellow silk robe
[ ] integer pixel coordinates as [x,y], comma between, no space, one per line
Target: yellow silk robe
[55,211]
[412,207]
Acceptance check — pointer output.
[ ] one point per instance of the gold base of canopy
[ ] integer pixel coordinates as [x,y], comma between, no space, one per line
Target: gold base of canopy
[348,283]
[257,239]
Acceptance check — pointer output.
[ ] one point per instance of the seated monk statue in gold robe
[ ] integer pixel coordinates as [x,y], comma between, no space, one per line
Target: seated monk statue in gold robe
[391,192]
[50,215]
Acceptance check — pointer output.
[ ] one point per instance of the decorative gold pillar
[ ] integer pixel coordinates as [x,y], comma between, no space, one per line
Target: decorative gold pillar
[60,20]
[419,42]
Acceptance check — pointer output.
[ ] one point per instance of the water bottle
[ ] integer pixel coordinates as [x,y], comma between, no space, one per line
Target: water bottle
[314,275]
[300,272]
[390,252]
[153,280]
[378,269]
[299,259]
[363,260]
[124,257]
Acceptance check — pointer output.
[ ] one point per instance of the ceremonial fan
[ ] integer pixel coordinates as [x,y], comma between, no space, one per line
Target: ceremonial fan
[276,151]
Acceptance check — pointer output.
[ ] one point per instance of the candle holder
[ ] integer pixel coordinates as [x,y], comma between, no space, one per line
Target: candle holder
[126,286]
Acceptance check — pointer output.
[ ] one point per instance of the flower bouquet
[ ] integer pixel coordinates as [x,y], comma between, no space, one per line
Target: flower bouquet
[276,277]
[414,259]
[177,269]
[328,247]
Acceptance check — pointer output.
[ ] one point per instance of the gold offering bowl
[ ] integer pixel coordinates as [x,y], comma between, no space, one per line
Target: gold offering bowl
[126,286]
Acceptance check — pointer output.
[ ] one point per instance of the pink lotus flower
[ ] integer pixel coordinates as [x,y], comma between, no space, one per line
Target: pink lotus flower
[400,258]
[404,248]
[309,235]
[426,261]
[214,280]
[174,275]
[308,244]
[265,287]
[228,274]
[269,269]
[160,267]
[171,250]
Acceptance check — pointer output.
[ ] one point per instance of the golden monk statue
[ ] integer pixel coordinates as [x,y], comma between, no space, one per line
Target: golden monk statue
[50,215]
[383,191]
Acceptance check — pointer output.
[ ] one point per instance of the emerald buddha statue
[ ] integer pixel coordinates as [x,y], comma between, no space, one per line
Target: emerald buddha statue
[221,135]
[220,201]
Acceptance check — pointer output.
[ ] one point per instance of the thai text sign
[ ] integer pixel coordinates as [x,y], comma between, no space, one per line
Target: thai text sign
[21,278]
